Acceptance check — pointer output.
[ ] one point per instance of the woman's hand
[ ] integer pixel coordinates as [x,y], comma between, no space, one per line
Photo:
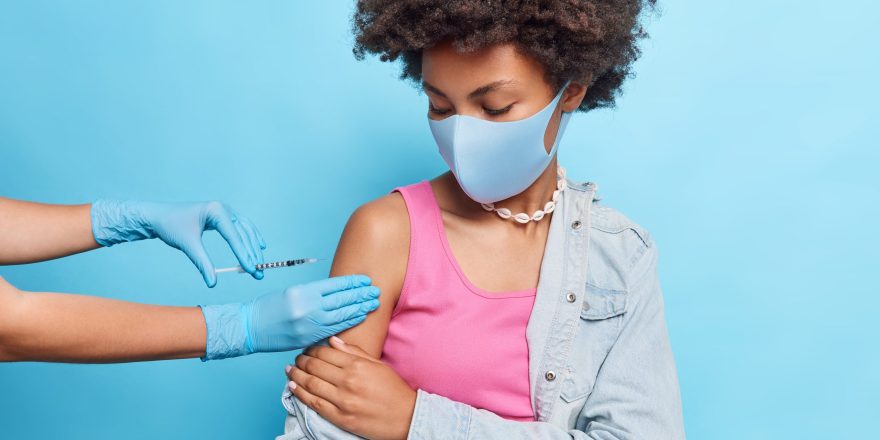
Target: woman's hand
[353,390]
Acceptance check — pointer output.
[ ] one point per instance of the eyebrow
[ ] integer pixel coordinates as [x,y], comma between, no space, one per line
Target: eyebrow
[478,92]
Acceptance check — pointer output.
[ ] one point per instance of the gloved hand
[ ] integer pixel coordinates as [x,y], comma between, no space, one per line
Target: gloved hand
[180,225]
[293,318]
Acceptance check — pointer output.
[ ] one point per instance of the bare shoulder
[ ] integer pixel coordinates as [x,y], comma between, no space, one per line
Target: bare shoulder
[375,243]
[382,221]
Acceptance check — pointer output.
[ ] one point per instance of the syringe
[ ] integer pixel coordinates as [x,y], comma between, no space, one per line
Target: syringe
[273,265]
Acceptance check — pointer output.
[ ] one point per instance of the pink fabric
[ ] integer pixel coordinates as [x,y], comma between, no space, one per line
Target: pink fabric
[449,337]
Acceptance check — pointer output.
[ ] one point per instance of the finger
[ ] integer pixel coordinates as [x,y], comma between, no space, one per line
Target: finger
[345,325]
[256,255]
[246,228]
[320,369]
[321,406]
[315,385]
[330,355]
[349,312]
[352,349]
[338,300]
[236,222]
[336,284]
[253,228]
[199,257]
[256,240]
[223,224]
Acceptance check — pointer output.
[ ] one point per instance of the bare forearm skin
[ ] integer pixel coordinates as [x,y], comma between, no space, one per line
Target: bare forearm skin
[58,327]
[31,232]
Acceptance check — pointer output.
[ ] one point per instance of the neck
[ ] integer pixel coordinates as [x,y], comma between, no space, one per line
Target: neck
[536,195]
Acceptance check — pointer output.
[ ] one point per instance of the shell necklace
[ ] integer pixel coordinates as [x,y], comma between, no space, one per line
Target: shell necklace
[524,218]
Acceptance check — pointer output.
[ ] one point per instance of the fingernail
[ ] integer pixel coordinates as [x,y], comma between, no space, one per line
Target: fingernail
[287,368]
[337,340]
[374,292]
[291,385]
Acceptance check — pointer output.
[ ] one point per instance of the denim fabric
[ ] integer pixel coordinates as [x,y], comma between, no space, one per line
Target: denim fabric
[600,362]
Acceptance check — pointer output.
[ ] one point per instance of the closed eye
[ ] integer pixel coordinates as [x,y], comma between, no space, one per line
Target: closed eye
[437,111]
[497,112]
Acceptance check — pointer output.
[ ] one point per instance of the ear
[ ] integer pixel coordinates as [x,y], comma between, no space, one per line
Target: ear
[574,95]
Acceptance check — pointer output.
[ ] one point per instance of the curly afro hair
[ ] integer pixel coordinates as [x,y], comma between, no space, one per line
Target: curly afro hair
[582,40]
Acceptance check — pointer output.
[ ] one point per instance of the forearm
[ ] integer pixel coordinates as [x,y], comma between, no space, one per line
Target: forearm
[32,232]
[439,417]
[434,417]
[59,327]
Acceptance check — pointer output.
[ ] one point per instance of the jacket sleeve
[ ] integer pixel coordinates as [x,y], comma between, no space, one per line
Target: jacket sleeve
[435,417]
[304,424]
[636,395]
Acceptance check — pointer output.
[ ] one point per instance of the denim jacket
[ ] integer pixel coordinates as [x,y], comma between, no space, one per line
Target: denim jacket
[600,362]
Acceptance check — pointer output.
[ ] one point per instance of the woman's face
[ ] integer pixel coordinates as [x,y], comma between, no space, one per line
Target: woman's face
[497,83]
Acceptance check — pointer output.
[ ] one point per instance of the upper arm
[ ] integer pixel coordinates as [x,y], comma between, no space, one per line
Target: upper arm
[375,243]
[643,401]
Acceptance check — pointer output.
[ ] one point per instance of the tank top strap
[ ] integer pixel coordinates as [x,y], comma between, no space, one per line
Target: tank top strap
[423,213]
[426,252]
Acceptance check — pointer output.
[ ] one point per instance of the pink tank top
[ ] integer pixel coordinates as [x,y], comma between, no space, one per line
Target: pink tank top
[449,337]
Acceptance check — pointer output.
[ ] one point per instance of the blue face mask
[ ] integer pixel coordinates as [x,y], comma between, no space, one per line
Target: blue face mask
[496,160]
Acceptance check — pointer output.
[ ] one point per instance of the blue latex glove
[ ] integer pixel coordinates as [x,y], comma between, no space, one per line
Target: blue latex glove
[293,318]
[180,225]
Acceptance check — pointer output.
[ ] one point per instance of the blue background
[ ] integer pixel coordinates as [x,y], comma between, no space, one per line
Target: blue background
[747,145]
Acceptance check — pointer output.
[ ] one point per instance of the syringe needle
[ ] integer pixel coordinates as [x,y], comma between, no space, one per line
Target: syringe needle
[273,265]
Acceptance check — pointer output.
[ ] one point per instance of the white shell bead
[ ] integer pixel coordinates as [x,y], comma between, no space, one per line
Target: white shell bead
[549,207]
[522,218]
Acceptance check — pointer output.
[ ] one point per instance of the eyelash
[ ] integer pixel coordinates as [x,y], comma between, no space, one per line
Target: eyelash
[490,111]
[497,112]
[435,110]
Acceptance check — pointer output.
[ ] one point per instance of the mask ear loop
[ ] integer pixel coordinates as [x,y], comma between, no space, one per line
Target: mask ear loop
[563,120]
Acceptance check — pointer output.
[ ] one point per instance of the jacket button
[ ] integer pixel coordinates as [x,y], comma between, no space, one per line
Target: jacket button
[550,376]
[571,297]
[576,224]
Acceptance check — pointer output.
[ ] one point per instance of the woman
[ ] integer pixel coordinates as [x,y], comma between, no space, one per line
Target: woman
[512,305]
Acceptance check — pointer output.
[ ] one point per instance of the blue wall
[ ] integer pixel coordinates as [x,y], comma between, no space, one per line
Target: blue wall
[747,145]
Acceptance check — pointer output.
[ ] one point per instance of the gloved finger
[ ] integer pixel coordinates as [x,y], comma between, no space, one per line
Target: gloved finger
[348,297]
[252,248]
[251,233]
[345,325]
[199,256]
[350,312]
[248,246]
[253,228]
[223,224]
[335,284]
